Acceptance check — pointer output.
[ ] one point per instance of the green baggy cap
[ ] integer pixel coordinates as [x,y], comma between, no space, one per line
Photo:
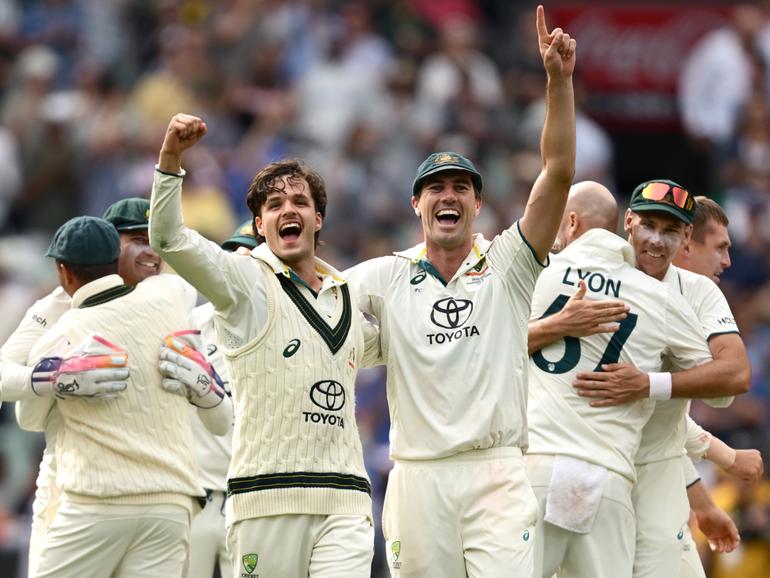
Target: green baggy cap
[85,241]
[243,236]
[129,214]
[445,161]
[668,197]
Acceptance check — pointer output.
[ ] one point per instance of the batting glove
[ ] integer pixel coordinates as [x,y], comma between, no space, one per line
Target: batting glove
[187,371]
[97,370]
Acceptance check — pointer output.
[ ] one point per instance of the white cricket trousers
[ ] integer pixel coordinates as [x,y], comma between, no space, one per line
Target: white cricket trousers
[302,546]
[607,551]
[472,514]
[120,541]
[662,512]
[207,539]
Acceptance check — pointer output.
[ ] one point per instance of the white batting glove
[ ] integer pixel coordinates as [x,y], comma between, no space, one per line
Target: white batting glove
[187,371]
[97,370]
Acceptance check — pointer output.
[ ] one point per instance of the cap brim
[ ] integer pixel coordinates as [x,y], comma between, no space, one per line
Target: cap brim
[663,208]
[234,242]
[133,227]
[475,176]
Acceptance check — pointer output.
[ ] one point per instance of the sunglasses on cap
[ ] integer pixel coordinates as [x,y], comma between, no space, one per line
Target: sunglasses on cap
[659,191]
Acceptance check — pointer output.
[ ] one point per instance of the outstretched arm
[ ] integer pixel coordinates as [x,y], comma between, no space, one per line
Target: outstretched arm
[548,198]
[195,258]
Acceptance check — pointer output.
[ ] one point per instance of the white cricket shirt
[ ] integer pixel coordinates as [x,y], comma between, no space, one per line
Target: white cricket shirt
[665,434]
[456,353]
[659,324]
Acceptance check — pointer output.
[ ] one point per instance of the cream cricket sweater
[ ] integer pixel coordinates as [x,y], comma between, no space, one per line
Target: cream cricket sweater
[138,448]
[296,448]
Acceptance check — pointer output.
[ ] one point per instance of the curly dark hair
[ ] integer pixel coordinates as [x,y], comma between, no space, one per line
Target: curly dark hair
[269,180]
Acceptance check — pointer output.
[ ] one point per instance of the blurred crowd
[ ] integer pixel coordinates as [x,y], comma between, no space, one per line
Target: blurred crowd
[363,90]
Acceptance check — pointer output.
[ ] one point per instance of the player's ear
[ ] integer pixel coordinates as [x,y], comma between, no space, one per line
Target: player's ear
[416,204]
[319,221]
[628,220]
[258,223]
[687,234]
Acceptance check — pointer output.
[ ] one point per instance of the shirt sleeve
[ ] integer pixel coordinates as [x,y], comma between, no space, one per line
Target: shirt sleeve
[712,308]
[15,382]
[514,257]
[372,348]
[38,319]
[697,441]
[686,344]
[217,274]
[691,475]
[369,281]
[32,413]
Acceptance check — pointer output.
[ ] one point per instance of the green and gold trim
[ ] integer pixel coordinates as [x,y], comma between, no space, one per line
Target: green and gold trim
[106,295]
[334,337]
[298,480]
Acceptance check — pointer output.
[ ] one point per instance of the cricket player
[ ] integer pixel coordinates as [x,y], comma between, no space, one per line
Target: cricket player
[452,314]
[581,458]
[658,223]
[136,262]
[208,546]
[126,469]
[299,500]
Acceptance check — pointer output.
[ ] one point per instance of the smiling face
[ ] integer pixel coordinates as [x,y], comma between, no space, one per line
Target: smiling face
[447,206]
[288,220]
[656,238]
[137,260]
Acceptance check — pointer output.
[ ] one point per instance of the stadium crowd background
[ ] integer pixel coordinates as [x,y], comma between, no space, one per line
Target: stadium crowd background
[363,90]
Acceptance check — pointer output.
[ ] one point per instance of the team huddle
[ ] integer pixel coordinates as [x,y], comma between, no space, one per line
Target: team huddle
[538,384]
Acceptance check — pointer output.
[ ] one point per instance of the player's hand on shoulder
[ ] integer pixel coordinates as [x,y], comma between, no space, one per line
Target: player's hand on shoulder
[747,467]
[557,48]
[96,371]
[187,372]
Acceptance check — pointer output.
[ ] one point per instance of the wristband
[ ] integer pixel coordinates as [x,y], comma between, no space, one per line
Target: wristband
[660,386]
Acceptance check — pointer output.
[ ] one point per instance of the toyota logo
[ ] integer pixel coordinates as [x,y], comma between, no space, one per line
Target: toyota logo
[328,395]
[451,313]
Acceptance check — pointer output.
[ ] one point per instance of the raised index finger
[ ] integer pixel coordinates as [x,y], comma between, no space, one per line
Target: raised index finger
[542,31]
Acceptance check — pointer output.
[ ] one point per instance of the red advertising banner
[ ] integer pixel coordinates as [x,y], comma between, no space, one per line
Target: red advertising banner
[630,57]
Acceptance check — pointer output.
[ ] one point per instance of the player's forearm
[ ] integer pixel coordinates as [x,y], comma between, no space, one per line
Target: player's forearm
[548,198]
[699,498]
[542,332]
[194,258]
[718,378]
[218,420]
[557,144]
[170,162]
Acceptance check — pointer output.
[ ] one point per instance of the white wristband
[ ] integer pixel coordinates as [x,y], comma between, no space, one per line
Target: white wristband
[660,386]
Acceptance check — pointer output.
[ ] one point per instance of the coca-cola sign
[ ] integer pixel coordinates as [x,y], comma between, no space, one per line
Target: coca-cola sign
[630,57]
